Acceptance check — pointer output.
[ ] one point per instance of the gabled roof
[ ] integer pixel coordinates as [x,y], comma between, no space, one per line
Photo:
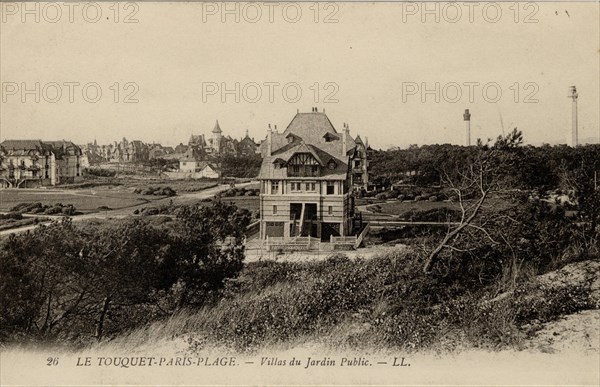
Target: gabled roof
[22,145]
[312,133]
[204,164]
[359,140]
[300,148]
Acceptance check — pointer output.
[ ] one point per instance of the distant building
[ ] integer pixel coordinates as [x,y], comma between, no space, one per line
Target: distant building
[217,144]
[198,169]
[33,163]
[247,146]
[157,151]
[118,152]
[306,179]
[181,148]
[360,164]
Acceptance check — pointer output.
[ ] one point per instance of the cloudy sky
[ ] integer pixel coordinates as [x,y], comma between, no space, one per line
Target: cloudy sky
[398,73]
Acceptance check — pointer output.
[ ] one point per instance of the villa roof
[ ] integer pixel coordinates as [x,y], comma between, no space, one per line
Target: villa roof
[311,133]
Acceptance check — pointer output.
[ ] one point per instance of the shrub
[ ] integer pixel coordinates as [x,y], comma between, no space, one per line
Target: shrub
[12,215]
[68,210]
[99,172]
[418,198]
[433,198]
[148,211]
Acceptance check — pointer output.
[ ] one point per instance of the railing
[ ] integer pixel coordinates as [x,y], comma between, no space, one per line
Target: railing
[343,239]
[362,235]
[292,243]
[253,228]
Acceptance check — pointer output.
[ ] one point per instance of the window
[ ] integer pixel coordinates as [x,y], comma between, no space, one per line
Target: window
[311,187]
[296,186]
[274,210]
[330,188]
[330,210]
[274,187]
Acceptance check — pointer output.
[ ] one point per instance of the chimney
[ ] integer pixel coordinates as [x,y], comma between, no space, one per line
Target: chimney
[269,140]
[345,134]
[574,134]
[467,117]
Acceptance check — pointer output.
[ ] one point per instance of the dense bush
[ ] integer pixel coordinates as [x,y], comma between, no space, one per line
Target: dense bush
[157,191]
[62,282]
[433,215]
[39,208]
[240,192]
[99,172]
[12,215]
[240,166]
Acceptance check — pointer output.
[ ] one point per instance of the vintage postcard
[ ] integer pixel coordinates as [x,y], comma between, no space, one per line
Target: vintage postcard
[299,193]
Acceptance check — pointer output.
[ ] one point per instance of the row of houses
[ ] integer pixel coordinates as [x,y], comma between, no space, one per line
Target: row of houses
[34,163]
[125,151]
[199,148]
[201,157]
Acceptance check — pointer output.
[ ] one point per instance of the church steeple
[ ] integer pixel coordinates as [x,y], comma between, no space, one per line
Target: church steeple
[217,128]
[216,137]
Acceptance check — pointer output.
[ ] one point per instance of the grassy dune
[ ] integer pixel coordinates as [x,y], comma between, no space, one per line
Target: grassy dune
[372,305]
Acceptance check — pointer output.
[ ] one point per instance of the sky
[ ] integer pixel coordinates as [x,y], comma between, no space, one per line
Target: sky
[397,73]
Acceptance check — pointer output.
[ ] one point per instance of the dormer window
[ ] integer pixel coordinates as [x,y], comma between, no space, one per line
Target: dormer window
[331,164]
[330,137]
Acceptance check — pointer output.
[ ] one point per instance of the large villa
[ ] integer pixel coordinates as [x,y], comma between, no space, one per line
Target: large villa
[307,176]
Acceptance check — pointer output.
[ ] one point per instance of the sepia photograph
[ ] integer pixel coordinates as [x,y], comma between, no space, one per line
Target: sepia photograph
[311,193]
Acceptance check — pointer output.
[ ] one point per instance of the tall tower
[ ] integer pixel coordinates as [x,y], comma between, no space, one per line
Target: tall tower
[216,137]
[467,118]
[574,134]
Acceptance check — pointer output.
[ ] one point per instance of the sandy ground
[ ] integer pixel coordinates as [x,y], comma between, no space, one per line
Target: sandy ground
[267,368]
[579,332]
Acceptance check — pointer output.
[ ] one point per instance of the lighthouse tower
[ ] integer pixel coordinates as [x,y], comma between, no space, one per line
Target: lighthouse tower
[216,138]
[574,134]
[467,118]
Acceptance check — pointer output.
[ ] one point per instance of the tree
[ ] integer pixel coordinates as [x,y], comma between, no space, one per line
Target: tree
[63,281]
[472,184]
[207,248]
